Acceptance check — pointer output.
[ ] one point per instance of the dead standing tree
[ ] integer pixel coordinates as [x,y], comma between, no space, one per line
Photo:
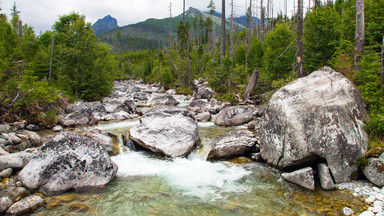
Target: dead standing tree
[359,35]
[299,69]
[251,85]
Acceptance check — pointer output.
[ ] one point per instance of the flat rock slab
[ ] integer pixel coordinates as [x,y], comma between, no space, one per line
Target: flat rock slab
[68,161]
[326,180]
[302,177]
[237,143]
[169,130]
[234,116]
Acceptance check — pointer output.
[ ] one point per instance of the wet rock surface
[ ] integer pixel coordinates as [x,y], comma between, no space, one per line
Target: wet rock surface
[303,177]
[318,116]
[237,143]
[169,130]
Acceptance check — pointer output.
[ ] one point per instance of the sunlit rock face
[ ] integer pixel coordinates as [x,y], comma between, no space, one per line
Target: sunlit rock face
[318,116]
[169,130]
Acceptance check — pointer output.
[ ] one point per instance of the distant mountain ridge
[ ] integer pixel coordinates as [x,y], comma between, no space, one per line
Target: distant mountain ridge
[105,25]
[241,19]
[149,33]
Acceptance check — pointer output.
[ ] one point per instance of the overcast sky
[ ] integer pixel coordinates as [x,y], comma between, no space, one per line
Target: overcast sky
[41,14]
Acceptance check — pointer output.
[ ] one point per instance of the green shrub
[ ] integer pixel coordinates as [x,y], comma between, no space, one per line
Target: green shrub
[375,125]
[229,97]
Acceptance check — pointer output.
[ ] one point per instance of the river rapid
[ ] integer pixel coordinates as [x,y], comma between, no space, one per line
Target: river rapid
[149,184]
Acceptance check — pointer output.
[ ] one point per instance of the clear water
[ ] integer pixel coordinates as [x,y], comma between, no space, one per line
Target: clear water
[147,184]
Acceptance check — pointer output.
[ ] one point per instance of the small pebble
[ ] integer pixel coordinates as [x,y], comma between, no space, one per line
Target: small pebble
[348,211]
[376,189]
[377,206]
[367,213]
[379,197]
[370,199]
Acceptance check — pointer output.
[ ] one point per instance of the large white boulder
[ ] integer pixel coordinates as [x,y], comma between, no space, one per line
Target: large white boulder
[169,130]
[68,161]
[318,116]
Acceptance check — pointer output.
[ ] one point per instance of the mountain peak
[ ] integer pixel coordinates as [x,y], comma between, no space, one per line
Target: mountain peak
[104,25]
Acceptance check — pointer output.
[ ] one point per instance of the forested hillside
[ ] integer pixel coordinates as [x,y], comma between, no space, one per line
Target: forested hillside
[38,71]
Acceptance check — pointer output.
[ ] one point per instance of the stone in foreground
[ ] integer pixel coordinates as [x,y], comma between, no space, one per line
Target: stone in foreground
[302,177]
[234,116]
[238,143]
[326,180]
[374,171]
[169,130]
[320,116]
[68,161]
[26,205]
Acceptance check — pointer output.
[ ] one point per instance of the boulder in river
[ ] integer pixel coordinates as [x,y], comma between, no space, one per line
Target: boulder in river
[237,143]
[374,170]
[26,205]
[202,90]
[325,177]
[68,161]
[167,100]
[86,108]
[320,116]
[15,160]
[169,130]
[109,141]
[234,116]
[302,177]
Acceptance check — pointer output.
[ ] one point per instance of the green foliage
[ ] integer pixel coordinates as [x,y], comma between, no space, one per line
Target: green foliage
[321,36]
[277,84]
[342,60]
[85,67]
[228,97]
[279,53]
[375,125]
[368,82]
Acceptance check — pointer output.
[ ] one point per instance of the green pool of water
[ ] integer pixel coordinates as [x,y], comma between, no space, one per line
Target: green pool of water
[147,184]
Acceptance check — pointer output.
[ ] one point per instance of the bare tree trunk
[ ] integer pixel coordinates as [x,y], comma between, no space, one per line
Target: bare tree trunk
[231,51]
[382,66]
[249,24]
[261,21]
[170,39]
[251,85]
[223,34]
[359,36]
[300,38]
[183,12]
[158,66]
[50,62]
[286,10]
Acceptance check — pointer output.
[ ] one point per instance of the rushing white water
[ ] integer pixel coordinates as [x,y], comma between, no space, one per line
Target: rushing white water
[118,125]
[207,180]
[205,124]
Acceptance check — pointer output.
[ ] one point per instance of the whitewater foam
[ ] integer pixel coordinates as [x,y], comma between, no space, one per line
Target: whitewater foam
[207,180]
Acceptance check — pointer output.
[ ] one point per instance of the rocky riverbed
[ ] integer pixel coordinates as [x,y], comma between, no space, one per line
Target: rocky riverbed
[36,165]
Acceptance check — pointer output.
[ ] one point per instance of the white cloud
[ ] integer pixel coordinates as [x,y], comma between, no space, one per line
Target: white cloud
[41,14]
